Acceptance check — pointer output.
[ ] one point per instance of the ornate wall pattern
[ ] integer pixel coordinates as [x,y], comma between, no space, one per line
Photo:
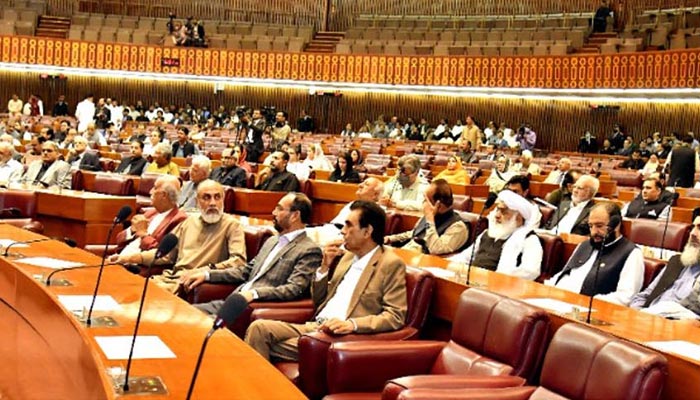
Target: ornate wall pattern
[667,69]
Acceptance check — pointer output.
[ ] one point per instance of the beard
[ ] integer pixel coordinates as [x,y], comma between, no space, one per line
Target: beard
[503,230]
[212,215]
[691,254]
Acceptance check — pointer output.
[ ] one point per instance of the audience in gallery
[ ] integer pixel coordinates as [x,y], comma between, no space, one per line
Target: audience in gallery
[440,231]
[209,239]
[283,268]
[509,245]
[615,275]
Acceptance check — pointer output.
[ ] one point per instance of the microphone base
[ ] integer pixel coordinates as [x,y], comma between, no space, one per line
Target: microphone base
[142,385]
[98,322]
[583,317]
[60,282]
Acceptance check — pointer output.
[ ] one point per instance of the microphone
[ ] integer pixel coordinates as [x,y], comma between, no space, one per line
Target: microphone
[54,272]
[490,200]
[123,213]
[615,220]
[233,307]
[70,242]
[166,245]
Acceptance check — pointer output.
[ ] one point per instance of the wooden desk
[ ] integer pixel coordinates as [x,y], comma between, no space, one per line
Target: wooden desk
[329,198]
[684,373]
[60,358]
[541,189]
[256,203]
[89,180]
[82,216]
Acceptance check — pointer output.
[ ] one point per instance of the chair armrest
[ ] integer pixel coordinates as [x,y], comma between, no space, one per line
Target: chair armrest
[395,387]
[517,393]
[98,249]
[347,363]
[293,315]
[207,292]
[313,354]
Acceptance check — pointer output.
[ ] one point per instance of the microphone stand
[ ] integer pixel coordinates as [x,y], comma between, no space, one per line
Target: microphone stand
[88,320]
[668,219]
[471,257]
[199,361]
[595,283]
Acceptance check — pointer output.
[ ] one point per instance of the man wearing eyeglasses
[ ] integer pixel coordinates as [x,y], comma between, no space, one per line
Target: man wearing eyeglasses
[49,171]
[406,190]
[229,173]
[572,216]
[608,265]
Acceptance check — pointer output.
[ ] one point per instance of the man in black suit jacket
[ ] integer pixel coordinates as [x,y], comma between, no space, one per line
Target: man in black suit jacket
[280,180]
[229,173]
[134,164]
[572,215]
[80,158]
[183,147]
[588,143]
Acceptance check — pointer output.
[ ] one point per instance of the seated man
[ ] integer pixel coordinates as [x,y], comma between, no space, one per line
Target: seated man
[162,161]
[566,187]
[367,293]
[440,230]
[634,162]
[279,180]
[520,184]
[653,203]
[80,158]
[284,267]
[229,173]
[621,271]
[557,175]
[49,171]
[572,216]
[10,169]
[147,229]
[199,171]
[670,294]
[211,240]
[526,166]
[135,163]
[406,190]
[509,245]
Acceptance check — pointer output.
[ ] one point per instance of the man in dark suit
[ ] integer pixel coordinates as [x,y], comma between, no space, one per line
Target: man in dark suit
[134,164]
[588,143]
[367,293]
[283,268]
[80,158]
[280,180]
[183,147]
[683,163]
[229,173]
[572,215]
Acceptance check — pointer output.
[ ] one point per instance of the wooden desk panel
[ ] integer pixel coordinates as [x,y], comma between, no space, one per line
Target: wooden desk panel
[230,369]
[684,373]
[256,203]
[89,180]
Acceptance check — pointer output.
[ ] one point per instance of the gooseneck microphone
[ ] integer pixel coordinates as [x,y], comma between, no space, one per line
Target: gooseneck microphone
[233,307]
[70,242]
[668,219]
[123,213]
[166,245]
[615,220]
[490,200]
[54,272]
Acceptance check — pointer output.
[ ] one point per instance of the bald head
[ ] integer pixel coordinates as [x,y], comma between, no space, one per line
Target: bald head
[370,189]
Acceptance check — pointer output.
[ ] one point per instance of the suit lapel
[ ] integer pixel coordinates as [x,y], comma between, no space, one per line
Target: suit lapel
[584,213]
[364,279]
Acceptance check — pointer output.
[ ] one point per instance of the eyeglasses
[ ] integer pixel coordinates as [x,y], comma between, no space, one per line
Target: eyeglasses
[47,150]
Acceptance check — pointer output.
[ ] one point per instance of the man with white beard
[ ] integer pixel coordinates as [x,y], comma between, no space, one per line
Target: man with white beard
[209,239]
[675,291]
[509,245]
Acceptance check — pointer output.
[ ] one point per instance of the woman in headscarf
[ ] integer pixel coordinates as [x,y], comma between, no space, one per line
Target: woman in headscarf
[454,173]
[499,175]
[316,160]
[242,158]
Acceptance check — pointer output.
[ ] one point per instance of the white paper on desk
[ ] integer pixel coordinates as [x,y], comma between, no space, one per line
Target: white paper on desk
[440,272]
[117,347]
[48,262]
[6,242]
[80,302]
[681,347]
[557,306]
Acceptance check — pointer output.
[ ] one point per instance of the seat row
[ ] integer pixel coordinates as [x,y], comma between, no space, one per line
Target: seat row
[8,27]
[457,49]
[456,22]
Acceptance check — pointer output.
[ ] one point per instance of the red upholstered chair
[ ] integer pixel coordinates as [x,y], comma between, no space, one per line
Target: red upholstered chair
[652,267]
[143,194]
[649,232]
[20,210]
[552,251]
[229,200]
[583,363]
[305,186]
[491,335]
[547,214]
[393,219]
[107,164]
[77,182]
[114,184]
[475,224]
[462,203]
[308,373]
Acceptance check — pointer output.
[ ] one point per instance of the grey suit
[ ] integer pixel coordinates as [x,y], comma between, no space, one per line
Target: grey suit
[287,276]
[58,173]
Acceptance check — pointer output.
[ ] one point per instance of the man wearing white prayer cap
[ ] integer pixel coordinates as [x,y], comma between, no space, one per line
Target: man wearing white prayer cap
[509,245]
